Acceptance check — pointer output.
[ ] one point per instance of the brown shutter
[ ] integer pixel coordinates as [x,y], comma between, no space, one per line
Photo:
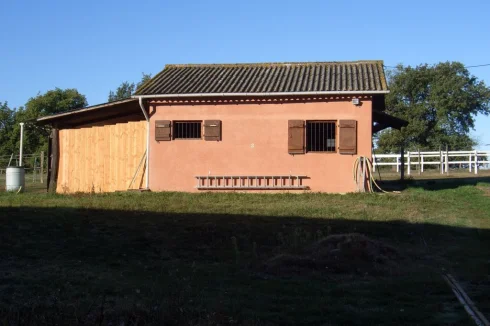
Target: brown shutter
[163,130]
[296,137]
[348,137]
[212,130]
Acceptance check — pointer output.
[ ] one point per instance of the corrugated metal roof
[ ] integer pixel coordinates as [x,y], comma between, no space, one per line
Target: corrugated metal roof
[249,78]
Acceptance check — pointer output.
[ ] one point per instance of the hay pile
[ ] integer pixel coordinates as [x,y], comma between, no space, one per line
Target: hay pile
[351,253]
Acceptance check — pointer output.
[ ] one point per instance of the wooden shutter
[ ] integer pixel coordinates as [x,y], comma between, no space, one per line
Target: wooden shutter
[212,130]
[163,130]
[348,137]
[296,137]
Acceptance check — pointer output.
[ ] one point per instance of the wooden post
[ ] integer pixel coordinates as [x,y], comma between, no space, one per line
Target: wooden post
[441,161]
[469,162]
[374,162]
[420,164]
[447,160]
[34,170]
[476,162]
[55,150]
[402,164]
[41,168]
[408,163]
[397,164]
[10,161]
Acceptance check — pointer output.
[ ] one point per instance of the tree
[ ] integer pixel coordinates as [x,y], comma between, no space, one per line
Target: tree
[7,118]
[440,103]
[126,89]
[51,102]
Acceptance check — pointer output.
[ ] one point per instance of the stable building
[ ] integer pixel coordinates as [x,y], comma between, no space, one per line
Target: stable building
[221,127]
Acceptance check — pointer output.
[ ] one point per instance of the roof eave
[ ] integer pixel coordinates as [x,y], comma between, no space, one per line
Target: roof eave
[91,108]
[263,94]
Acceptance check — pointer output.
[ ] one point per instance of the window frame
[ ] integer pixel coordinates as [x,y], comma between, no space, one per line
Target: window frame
[176,122]
[336,135]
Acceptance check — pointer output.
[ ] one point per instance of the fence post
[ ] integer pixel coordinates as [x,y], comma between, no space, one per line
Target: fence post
[402,164]
[34,170]
[476,162]
[420,164]
[447,161]
[408,162]
[441,161]
[397,164]
[469,162]
[41,172]
[374,162]
[10,161]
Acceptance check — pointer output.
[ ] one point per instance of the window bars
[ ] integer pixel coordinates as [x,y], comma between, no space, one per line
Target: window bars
[320,136]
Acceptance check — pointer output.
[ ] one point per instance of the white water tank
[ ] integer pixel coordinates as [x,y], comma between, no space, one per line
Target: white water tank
[15,178]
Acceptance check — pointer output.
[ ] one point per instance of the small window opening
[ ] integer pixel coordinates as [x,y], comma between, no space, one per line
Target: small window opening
[320,136]
[187,129]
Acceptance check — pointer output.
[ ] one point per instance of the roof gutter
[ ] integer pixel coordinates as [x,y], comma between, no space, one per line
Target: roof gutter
[263,94]
[142,106]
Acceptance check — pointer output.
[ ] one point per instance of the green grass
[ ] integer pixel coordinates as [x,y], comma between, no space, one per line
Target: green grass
[169,258]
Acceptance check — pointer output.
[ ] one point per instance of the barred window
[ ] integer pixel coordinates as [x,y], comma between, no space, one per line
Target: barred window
[320,136]
[187,129]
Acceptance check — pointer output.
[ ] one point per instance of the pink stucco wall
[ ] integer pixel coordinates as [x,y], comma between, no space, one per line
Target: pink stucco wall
[255,142]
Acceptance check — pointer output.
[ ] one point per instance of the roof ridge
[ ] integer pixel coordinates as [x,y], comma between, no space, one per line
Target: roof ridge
[270,64]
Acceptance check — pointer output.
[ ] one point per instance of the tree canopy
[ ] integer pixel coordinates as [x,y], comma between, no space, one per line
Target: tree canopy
[7,118]
[126,89]
[440,103]
[35,137]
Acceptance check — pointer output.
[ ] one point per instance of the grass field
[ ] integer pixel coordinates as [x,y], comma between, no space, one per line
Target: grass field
[197,259]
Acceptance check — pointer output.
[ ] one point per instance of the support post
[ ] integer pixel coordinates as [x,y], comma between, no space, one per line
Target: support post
[402,164]
[41,168]
[397,164]
[54,160]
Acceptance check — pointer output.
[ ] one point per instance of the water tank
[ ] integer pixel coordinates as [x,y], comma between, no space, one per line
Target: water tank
[15,178]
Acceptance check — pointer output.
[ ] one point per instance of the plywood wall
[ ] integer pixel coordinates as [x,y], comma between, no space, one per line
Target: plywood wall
[102,159]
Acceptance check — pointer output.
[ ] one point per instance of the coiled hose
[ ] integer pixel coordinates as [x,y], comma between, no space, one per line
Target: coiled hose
[363,175]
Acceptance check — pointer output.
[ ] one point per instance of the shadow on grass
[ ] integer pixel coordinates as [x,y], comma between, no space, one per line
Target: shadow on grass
[92,266]
[432,184]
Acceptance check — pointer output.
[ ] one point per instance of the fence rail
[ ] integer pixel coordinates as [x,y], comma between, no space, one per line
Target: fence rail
[442,159]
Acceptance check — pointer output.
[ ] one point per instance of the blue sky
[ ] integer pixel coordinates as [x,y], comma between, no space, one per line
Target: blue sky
[95,45]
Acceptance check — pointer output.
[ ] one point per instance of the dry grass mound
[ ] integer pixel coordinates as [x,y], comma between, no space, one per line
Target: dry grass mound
[350,253]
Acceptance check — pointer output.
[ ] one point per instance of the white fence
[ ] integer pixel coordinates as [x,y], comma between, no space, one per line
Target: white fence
[442,159]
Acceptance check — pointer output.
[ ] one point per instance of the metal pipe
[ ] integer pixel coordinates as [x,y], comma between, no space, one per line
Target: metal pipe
[142,106]
[263,94]
[21,142]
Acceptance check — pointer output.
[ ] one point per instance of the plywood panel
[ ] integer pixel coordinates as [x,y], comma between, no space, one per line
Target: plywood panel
[102,158]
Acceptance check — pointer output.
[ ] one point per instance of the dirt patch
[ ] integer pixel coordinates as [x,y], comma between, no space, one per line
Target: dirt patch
[351,253]
[486,190]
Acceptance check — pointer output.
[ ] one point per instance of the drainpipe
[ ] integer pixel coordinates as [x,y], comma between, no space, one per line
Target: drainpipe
[140,100]
[21,150]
